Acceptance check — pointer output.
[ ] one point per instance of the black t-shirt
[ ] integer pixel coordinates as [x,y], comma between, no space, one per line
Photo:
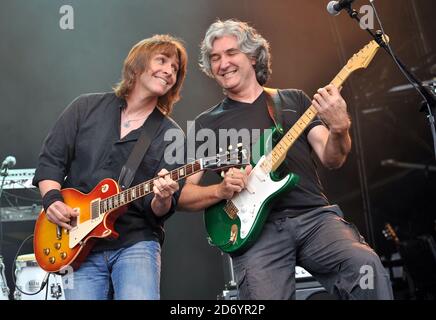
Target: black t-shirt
[231,114]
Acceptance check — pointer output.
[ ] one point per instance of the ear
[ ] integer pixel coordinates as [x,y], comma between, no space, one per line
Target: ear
[253,61]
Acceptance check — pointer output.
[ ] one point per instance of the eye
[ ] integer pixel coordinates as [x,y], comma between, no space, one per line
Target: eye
[214,58]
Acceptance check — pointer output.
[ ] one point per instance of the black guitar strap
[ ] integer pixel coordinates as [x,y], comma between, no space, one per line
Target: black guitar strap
[274,104]
[150,128]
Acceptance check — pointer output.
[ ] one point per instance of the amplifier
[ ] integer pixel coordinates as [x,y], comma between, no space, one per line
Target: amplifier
[307,288]
[302,274]
[20,213]
[312,291]
[19,179]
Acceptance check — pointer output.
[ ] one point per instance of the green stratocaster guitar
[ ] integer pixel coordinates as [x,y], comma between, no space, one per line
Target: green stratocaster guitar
[233,225]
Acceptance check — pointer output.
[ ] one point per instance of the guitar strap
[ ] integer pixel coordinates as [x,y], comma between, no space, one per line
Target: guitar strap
[148,131]
[274,104]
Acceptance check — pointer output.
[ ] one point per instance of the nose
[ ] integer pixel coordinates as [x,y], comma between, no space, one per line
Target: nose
[167,68]
[224,62]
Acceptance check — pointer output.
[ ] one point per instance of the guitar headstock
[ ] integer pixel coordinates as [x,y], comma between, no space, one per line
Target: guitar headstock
[232,157]
[362,59]
[390,234]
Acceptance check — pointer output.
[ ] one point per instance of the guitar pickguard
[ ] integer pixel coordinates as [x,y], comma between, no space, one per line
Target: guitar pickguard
[249,202]
[79,232]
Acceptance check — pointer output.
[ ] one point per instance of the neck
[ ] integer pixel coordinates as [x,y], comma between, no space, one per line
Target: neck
[139,103]
[247,95]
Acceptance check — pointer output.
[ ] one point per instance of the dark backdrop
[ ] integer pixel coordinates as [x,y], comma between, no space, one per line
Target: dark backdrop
[44,67]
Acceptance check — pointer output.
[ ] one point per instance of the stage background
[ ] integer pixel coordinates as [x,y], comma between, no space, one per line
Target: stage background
[44,68]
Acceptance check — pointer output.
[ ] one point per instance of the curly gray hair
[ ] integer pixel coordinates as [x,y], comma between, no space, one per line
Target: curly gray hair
[249,40]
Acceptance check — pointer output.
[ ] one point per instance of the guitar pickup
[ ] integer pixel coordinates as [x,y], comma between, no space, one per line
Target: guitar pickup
[259,175]
[231,210]
[249,188]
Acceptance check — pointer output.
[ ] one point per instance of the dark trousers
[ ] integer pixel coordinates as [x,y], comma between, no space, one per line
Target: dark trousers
[321,242]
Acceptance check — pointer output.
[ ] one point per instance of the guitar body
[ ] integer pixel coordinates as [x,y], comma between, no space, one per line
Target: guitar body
[55,248]
[234,225]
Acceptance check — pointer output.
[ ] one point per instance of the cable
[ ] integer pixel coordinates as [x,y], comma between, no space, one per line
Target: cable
[14,281]
[414,84]
[46,278]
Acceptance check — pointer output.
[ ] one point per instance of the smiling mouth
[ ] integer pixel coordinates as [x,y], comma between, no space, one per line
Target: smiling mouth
[163,81]
[228,74]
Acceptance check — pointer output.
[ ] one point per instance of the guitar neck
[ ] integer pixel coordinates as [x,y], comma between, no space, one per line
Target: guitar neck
[145,188]
[278,154]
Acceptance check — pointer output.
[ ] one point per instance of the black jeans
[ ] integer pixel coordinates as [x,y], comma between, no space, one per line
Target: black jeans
[321,242]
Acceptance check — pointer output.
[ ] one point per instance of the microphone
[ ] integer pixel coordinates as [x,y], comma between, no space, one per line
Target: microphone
[9,162]
[335,7]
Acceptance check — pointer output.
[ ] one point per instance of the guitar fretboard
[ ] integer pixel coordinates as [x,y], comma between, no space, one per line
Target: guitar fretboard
[145,188]
[278,153]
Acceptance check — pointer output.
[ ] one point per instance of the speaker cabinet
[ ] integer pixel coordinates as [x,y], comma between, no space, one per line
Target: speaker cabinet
[311,290]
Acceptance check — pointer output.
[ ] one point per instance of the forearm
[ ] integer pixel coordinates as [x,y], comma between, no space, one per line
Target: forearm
[196,198]
[47,185]
[337,148]
[160,209]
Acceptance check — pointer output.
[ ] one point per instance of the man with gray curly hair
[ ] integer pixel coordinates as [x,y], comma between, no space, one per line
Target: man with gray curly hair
[249,42]
[301,227]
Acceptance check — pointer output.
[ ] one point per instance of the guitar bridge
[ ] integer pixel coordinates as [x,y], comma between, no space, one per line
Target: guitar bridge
[231,210]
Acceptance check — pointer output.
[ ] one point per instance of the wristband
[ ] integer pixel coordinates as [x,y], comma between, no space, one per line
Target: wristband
[50,197]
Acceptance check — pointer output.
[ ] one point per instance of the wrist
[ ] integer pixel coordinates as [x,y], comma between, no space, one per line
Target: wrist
[160,206]
[217,192]
[50,197]
[341,129]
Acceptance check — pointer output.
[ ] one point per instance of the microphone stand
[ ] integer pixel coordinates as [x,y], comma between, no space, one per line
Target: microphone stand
[3,175]
[408,165]
[426,94]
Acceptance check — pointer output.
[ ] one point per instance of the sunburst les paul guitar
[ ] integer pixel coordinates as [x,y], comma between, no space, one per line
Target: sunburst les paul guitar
[57,248]
[234,225]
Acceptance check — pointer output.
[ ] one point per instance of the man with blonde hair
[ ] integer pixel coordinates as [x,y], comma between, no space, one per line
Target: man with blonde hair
[91,141]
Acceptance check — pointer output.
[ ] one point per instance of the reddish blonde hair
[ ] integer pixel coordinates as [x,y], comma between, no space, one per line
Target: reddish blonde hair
[137,61]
